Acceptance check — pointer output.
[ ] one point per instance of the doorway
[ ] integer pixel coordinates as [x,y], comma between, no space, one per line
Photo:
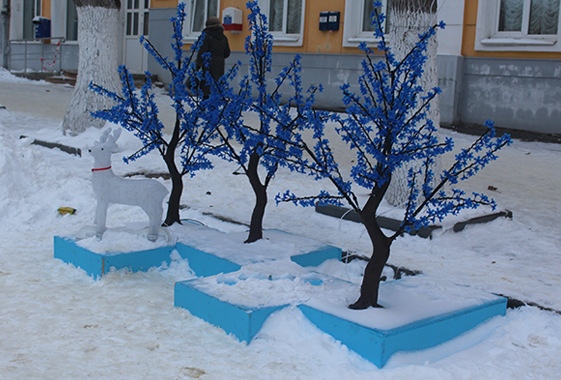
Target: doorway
[136,25]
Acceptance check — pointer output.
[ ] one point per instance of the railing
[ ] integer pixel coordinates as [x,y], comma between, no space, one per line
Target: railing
[36,55]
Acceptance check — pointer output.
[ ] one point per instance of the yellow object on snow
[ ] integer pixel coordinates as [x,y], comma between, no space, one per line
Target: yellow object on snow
[67,210]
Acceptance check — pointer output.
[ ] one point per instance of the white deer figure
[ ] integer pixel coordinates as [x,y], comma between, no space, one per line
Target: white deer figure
[146,193]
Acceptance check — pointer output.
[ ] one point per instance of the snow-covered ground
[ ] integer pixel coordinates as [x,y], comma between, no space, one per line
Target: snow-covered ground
[57,323]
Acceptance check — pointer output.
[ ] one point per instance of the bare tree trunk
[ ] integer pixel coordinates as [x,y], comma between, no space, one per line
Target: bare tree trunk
[172,215]
[260,190]
[408,19]
[99,36]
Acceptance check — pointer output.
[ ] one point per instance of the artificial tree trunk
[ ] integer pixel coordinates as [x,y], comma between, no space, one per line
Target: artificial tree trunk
[408,19]
[370,286]
[380,251]
[99,36]
[172,215]
[260,190]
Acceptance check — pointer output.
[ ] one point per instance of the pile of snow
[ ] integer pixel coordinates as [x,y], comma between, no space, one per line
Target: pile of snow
[6,76]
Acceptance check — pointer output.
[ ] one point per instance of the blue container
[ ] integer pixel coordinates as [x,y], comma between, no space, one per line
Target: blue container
[42,27]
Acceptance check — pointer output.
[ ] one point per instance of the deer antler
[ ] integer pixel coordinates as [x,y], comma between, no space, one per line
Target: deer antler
[104,136]
[116,134]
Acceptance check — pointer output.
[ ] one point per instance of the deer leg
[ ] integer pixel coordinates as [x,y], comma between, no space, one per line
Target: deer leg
[155,217]
[100,217]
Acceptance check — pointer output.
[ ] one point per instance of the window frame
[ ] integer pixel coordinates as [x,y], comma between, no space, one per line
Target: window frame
[352,30]
[282,38]
[38,8]
[489,38]
[188,34]
[67,21]
[60,21]
[136,27]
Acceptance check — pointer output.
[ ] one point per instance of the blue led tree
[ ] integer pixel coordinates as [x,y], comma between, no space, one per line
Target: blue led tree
[192,135]
[263,146]
[387,126]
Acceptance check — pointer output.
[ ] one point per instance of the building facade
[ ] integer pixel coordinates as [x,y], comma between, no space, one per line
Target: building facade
[497,59]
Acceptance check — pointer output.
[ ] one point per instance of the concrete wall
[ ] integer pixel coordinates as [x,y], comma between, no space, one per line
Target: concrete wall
[329,70]
[450,79]
[520,94]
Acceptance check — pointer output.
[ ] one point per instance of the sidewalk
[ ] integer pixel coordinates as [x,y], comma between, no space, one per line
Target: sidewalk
[47,100]
[518,175]
[37,98]
[524,176]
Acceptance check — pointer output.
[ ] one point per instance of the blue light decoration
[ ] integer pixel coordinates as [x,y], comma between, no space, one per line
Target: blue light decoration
[192,135]
[386,125]
[270,144]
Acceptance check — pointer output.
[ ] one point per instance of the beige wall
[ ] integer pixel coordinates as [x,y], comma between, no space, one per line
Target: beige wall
[315,41]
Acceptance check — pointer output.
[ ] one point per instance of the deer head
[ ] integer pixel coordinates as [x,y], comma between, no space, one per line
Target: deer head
[104,147]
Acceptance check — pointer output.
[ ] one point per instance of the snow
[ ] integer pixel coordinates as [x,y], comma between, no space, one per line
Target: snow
[405,302]
[279,283]
[57,323]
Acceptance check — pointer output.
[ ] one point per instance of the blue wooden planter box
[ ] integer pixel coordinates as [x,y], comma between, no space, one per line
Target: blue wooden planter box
[230,253]
[97,264]
[378,345]
[315,258]
[244,323]
[202,263]
[205,264]
[374,344]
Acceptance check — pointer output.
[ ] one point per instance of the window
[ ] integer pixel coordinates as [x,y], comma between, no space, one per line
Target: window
[286,18]
[29,13]
[202,10]
[529,17]
[356,32]
[38,8]
[71,21]
[518,25]
[136,22]
[198,11]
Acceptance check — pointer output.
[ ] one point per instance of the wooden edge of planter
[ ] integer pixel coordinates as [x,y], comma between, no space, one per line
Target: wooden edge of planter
[242,322]
[97,264]
[378,346]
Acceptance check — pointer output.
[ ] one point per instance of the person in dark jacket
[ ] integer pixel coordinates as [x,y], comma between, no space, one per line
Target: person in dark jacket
[215,43]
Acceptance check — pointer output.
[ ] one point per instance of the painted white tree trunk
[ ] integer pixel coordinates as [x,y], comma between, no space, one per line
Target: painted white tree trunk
[99,36]
[405,27]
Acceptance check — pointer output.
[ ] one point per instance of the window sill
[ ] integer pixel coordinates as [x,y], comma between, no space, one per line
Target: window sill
[356,41]
[190,39]
[279,41]
[518,42]
[287,40]
[521,44]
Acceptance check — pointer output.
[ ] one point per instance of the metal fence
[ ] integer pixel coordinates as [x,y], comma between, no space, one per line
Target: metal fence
[37,55]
